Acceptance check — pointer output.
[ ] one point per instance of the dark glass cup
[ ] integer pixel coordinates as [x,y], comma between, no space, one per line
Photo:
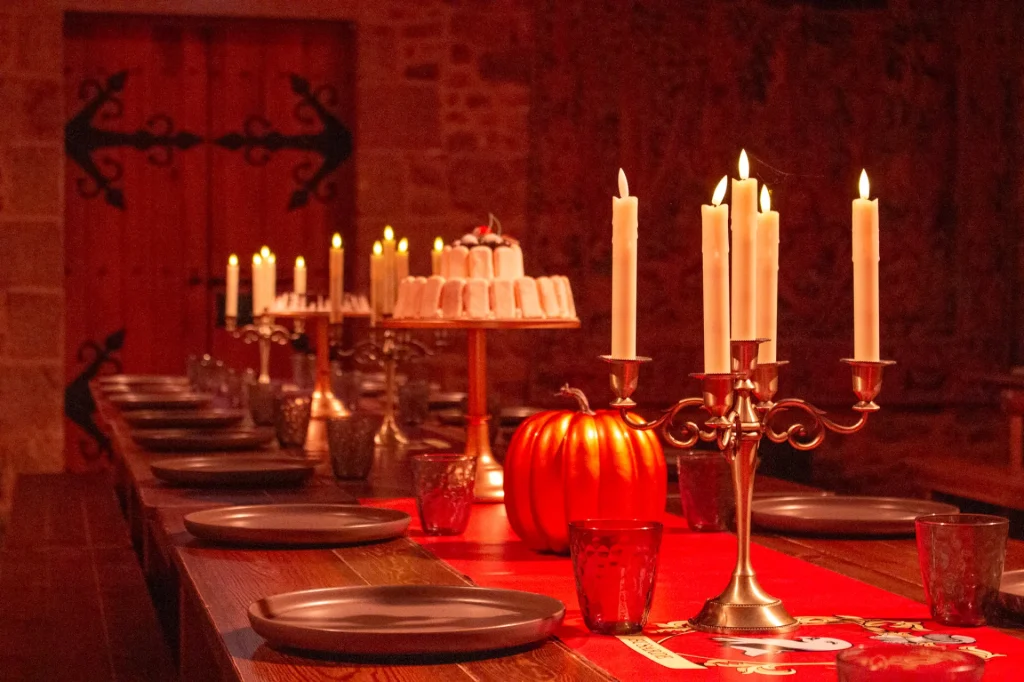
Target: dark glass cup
[901,663]
[705,490]
[350,442]
[961,558]
[292,418]
[616,564]
[444,491]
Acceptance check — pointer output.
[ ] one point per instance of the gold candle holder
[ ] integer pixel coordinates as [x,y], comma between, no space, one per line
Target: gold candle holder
[741,414]
[264,332]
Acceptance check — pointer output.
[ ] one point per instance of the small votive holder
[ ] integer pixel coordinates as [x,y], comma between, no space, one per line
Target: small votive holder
[705,490]
[615,563]
[902,663]
[444,491]
[350,442]
[961,557]
[292,418]
[262,403]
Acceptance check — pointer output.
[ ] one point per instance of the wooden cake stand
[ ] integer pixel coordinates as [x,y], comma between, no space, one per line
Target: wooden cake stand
[324,404]
[490,478]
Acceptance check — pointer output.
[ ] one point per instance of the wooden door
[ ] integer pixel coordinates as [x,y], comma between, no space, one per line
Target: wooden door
[190,139]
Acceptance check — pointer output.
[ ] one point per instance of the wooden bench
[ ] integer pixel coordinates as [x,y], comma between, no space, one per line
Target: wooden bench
[73,602]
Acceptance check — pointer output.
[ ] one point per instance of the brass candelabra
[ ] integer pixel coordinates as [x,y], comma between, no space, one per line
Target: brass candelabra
[264,332]
[386,353]
[742,411]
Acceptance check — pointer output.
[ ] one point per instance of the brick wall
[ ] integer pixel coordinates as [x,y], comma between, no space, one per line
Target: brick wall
[31,248]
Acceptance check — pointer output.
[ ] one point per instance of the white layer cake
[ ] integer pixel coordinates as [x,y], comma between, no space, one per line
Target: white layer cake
[476,298]
[430,299]
[503,299]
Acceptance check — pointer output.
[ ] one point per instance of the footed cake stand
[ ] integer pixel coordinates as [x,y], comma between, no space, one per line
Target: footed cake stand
[324,404]
[490,477]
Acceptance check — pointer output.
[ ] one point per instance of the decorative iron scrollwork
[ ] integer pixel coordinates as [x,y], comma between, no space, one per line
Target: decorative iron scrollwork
[333,143]
[79,405]
[83,139]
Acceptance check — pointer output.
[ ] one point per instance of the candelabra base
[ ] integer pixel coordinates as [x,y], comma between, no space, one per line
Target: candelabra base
[325,405]
[743,608]
[390,434]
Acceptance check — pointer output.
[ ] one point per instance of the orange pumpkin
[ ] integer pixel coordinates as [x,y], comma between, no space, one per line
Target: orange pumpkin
[567,465]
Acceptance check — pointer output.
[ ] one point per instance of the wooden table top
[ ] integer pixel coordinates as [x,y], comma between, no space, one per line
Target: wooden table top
[222,582]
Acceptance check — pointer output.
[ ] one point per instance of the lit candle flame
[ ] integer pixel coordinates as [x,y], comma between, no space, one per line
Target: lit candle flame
[300,262]
[623,184]
[256,260]
[336,241]
[272,259]
[378,249]
[264,252]
[766,200]
[438,244]
[403,245]
[389,234]
[865,186]
[744,165]
[720,190]
[232,259]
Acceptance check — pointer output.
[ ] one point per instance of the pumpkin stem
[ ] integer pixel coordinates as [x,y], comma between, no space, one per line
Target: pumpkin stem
[581,399]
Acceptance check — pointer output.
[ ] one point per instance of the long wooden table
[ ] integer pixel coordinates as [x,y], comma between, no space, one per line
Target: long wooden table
[203,591]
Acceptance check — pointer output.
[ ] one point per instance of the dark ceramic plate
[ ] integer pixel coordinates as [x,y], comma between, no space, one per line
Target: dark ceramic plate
[514,416]
[142,380]
[194,440]
[391,620]
[446,401]
[115,389]
[156,401]
[843,515]
[297,524]
[451,417]
[1011,592]
[168,419]
[242,471]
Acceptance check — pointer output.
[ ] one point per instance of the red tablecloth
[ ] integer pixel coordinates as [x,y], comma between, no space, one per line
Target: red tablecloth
[834,610]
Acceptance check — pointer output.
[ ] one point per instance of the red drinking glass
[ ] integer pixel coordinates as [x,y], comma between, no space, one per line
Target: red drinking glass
[615,563]
[902,663]
[444,491]
[705,489]
[961,559]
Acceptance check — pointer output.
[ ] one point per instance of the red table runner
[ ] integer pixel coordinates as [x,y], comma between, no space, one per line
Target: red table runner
[834,611]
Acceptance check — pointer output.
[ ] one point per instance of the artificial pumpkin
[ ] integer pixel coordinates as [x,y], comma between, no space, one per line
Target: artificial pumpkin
[567,465]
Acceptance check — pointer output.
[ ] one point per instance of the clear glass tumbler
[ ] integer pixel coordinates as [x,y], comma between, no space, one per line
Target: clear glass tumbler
[444,491]
[706,492]
[901,663]
[616,564]
[961,558]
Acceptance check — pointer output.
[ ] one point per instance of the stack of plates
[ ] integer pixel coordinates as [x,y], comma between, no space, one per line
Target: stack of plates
[238,438]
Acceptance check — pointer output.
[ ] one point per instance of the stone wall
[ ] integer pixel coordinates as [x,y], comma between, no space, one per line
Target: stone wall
[31,248]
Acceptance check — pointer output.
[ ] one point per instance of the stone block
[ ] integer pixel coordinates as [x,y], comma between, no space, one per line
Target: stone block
[39,40]
[377,55]
[399,116]
[35,258]
[32,181]
[482,184]
[381,183]
[32,399]
[34,322]
[422,72]
[506,66]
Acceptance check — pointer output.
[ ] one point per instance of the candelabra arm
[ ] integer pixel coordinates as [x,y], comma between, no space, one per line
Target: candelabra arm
[807,436]
[666,423]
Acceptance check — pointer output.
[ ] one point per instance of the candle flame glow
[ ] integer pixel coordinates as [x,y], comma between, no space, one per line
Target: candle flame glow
[865,186]
[438,244]
[264,252]
[766,200]
[403,245]
[623,184]
[378,249]
[300,262]
[744,165]
[232,259]
[272,258]
[389,234]
[720,190]
[256,260]
[336,241]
